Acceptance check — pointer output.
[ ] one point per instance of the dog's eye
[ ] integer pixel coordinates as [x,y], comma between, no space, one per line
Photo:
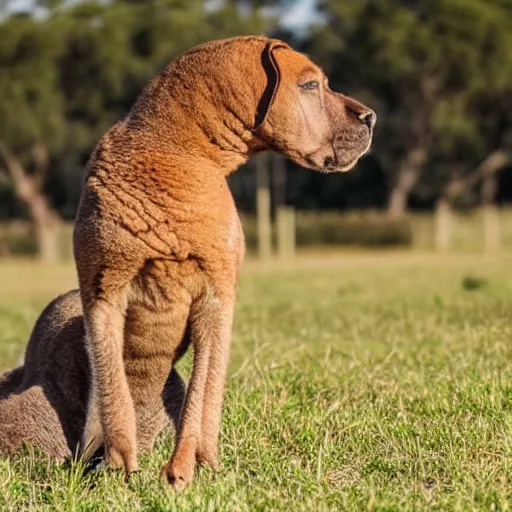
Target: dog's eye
[310,85]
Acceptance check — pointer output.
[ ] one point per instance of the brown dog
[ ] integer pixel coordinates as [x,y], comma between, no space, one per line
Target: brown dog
[44,402]
[158,242]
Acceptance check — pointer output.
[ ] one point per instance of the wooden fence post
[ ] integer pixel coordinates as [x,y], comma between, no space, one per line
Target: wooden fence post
[490,213]
[492,228]
[443,224]
[286,231]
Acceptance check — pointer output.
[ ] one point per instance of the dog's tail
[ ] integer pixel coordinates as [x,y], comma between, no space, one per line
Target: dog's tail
[10,381]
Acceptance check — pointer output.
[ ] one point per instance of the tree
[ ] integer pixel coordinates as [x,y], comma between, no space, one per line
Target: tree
[474,158]
[67,76]
[411,60]
[32,119]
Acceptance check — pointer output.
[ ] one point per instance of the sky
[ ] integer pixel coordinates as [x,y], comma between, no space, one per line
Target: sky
[300,14]
[297,15]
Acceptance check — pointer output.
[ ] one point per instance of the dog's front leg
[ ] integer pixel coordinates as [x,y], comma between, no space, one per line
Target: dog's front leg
[211,322]
[110,399]
[207,452]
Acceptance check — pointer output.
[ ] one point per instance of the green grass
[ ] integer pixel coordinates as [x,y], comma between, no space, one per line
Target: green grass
[357,382]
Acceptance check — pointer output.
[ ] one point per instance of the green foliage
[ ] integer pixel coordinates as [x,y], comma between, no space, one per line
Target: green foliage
[438,73]
[425,66]
[17,239]
[366,230]
[31,106]
[67,76]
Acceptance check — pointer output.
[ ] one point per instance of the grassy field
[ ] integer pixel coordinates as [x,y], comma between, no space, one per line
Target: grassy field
[357,382]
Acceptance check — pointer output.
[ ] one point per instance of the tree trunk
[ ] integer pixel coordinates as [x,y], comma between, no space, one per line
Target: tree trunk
[45,221]
[408,174]
[47,235]
[411,166]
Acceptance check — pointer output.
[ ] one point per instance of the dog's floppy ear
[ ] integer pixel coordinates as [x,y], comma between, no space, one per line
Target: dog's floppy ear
[268,60]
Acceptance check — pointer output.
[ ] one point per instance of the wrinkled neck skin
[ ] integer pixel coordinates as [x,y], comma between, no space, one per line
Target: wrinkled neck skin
[203,124]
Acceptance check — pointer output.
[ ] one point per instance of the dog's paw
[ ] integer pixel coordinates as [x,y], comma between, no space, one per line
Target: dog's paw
[177,476]
[121,457]
[179,471]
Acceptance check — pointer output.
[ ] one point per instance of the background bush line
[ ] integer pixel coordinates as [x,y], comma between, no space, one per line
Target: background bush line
[358,229]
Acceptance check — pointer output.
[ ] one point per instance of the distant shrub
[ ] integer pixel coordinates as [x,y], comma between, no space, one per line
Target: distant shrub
[16,239]
[369,229]
[363,230]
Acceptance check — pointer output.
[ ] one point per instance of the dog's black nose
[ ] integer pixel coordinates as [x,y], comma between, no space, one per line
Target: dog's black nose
[369,118]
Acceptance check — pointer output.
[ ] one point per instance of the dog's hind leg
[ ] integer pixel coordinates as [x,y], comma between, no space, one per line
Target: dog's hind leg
[28,417]
[10,381]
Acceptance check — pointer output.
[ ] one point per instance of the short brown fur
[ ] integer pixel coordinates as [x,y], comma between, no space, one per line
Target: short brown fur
[158,242]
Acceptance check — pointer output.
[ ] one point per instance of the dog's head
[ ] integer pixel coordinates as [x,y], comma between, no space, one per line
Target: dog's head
[246,94]
[301,117]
